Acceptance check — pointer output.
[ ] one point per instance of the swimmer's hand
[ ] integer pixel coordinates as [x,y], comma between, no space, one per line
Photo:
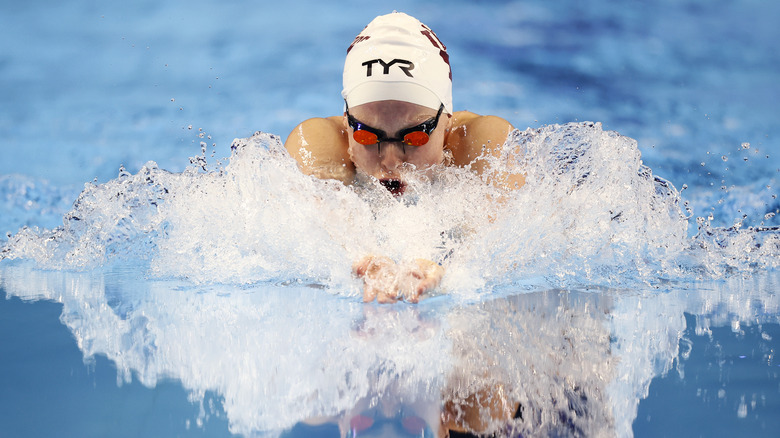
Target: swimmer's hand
[379,276]
[387,282]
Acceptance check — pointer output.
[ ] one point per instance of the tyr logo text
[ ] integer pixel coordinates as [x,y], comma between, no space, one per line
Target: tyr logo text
[404,65]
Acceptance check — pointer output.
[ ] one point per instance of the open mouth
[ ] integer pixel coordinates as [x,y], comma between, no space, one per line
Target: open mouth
[394,186]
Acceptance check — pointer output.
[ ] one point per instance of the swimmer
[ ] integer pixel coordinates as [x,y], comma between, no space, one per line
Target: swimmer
[398,115]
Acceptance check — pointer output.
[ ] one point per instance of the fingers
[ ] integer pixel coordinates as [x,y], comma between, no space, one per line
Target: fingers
[371,292]
[426,285]
[423,276]
[430,269]
[387,297]
[380,278]
[360,267]
[387,282]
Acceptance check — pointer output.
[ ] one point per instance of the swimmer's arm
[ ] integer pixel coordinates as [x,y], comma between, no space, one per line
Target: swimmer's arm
[473,137]
[320,147]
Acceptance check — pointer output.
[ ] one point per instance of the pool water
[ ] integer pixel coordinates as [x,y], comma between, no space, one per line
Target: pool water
[162,279]
[169,359]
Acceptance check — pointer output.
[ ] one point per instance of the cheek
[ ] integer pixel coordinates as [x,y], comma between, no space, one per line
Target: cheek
[429,154]
[361,156]
[426,157]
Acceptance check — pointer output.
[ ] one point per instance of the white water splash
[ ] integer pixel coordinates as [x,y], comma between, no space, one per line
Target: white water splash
[590,214]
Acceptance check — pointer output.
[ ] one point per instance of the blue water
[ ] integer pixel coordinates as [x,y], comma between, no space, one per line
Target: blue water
[159,282]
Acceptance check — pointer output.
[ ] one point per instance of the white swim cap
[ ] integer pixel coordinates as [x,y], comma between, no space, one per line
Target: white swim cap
[396,57]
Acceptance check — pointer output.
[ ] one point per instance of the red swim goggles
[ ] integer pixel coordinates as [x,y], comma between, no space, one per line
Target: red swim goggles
[417,135]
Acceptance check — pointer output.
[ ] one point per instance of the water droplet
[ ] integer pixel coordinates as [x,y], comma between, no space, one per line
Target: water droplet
[724,158]
[745,145]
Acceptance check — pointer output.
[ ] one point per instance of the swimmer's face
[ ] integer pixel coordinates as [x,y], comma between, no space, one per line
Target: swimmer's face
[385,161]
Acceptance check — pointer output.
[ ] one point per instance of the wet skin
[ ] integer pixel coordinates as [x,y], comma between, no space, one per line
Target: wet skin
[384,160]
[325,148]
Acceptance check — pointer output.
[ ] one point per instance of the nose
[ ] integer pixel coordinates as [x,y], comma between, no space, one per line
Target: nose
[392,155]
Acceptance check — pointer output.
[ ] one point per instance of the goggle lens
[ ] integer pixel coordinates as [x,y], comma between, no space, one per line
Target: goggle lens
[416,138]
[365,138]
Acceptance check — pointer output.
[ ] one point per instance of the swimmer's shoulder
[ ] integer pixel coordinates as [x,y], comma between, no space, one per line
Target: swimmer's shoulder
[320,147]
[471,135]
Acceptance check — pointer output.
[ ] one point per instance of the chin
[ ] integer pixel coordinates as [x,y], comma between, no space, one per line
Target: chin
[394,186]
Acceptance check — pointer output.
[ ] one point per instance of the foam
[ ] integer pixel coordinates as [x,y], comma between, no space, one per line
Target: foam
[590,214]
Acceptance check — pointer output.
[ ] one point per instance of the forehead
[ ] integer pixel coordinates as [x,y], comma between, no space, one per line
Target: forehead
[392,114]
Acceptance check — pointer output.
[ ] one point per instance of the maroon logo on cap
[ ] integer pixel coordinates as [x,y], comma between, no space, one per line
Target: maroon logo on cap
[404,65]
[438,44]
[358,39]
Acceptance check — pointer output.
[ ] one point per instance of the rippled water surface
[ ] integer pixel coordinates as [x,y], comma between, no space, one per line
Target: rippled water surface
[168,271]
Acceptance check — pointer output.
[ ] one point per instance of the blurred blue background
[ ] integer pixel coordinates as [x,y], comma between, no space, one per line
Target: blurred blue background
[89,86]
